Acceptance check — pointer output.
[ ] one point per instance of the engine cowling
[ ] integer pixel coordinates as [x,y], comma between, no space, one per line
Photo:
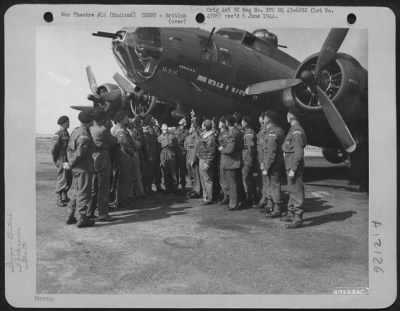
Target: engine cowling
[344,80]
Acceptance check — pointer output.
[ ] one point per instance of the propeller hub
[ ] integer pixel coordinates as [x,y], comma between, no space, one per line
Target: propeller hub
[307,76]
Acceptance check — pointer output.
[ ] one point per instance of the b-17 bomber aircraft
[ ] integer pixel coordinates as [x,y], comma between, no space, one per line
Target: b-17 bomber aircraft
[229,70]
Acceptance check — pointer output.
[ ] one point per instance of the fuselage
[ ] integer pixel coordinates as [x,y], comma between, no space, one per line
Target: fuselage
[188,67]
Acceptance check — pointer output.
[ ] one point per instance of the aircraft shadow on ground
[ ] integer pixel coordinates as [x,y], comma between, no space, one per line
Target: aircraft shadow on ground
[322,173]
[339,187]
[148,209]
[326,218]
[312,205]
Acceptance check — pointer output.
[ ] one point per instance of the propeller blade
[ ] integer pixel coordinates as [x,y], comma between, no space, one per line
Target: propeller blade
[111,96]
[91,79]
[331,45]
[124,83]
[82,108]
[336,122]
[271,86]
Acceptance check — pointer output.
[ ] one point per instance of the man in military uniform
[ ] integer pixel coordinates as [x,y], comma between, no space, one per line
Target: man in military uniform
[124,160]
[249,159]
[293,148]
[148,178]
[103,141]
[206,149]
[79,151]
[155,131]
[180,134]
[190,146]
[138,157]
[273,162]
[222,140]
[168,159]
[261,179]
[238,125]
[59,153]
[231,160]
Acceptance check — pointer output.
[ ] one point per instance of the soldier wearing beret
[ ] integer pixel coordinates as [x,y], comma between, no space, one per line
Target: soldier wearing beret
[60,142]
[80,150]
[103,141]
[168,159]
[293,148]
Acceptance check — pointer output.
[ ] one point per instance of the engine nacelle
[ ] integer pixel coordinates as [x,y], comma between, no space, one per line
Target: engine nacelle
[343,80]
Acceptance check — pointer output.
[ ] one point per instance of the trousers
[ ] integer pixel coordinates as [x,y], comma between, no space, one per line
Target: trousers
[82,182]
[249,181]
[169,171]
[100,195]
[125,178]
[274,186]
[64,179]
[206,178]
[296,191]
[235,186]
[181,168]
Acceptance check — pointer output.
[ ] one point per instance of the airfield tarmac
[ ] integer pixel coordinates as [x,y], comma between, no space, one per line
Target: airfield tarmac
[172,245]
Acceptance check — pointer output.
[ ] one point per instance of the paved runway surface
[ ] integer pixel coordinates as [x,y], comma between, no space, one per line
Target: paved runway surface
[171,245]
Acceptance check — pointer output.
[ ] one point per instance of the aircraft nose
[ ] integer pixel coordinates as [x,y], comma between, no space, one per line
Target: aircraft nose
[138,52]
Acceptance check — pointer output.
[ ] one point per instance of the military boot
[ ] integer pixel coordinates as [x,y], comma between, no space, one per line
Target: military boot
[71,220]
[64,197]
[84,221]
[276,212]
[159,189]
[267,207]
[60,202]
[289,217]
[297,222]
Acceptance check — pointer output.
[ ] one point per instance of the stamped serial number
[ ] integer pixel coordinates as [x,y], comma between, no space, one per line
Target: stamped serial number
[377,253]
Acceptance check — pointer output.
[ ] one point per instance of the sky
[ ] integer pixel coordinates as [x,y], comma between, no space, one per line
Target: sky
[62,55]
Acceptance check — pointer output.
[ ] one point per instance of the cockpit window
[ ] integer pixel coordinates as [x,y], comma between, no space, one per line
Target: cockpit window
[230,34]
[256,44]
[225,58]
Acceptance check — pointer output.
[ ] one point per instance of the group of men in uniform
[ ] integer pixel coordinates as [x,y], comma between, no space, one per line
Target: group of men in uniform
[225,160]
